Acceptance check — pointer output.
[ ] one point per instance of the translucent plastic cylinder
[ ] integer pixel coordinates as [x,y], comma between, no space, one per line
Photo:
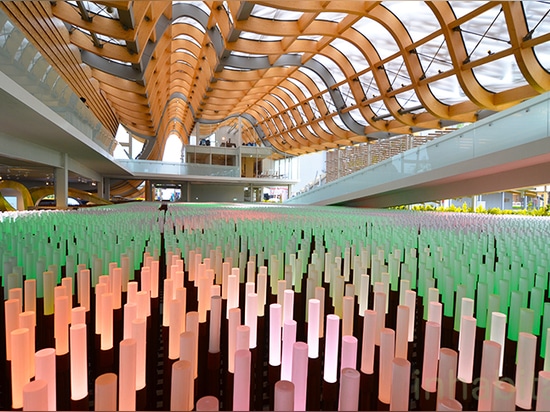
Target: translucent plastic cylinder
[181,393]
[106,321]
[448,404]
[78,315]
[387,351]
[19,365]
[543,391]
[79,362]
[275,316]
[401,374]
[504,396]
[289,337]
[431,351]
[208,403]
[467,339]
[168,292]
[489,373]
[215,324]
[448,361]
[347,319]
[27,320]
[402,332]
[498,335]
[35,396]
[348,357]
[525,369]
[348,399]
[84,288]
[192,325]
[313,328]
[11,318]
[284,396]
[262,291]
[116,286]
[175,329]
[379,308]
[45,370]
[61,325]
[299,374]
[234,321]
[330,372]
[127,376]
[241,385]
[251,318]
[30,295]
[139,333]
[368,342]
[105,392]
[364,294]
[288,305]
[320,296]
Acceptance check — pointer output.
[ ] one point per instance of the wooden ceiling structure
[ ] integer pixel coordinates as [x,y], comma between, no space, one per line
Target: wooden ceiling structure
[302,76]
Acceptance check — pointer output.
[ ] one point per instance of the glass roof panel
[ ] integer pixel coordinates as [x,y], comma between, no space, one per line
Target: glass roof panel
[270,13]
[324,126]
[258,37]
[448,90]
[185,51]
[300,110]
[461,8]
[397,73]
[310,37]
[377,34]
[352,53]
[190,21]
[111,40]
[328,16]
[315,77]
[242,54]
[290,94]
[416,16]
[358,117]
[434,56]
[189,38]
[347,95]
[339,122]
[538,22]
[7,28]
[310,129]
[301,86]
[236,69]
[408,100]
[499,75]
[379,109]
[98,9]
[314,109]
[369,85]
[332,67]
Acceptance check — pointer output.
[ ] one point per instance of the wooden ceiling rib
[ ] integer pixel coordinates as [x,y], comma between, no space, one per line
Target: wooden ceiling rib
[220,60]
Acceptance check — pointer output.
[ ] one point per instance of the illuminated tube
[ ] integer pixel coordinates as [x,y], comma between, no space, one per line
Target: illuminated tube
[100,289]
[106,321]
[251,318]
[348,303]
[490,359]
[401,373]
[232,293]
[364,294]
[155,279]
[203,297]
[181,396]
[30,295]
[330,372]
[11,316]
[402,332]
[45,370]
[28,320]
[313,329]
[130,313]
[127,376]
[78,315]
[215,324]
[448,404]
[79,362]
[543,389]
[243,337]
[368,342]
[275,334]
[105,392]
[143,304]
[35,396]
[289,337]
[525,367]
[284,396]
[387,350]
[241,386]
[410,301]
[61,325]
[208,403]
[320,296]
[84,288]
[117,288]
[379,308]
[466,355]
[192,325]
[19,365]
[176,313]
[262,291]
[348,400]
[299,375]
[498,334]
[504,396]
[168,286]
[288,305]
[431,350]
[234,321]
[139,334]
[446,387]
[348,357]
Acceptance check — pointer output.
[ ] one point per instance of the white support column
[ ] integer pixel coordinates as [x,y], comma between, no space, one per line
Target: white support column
[61,178]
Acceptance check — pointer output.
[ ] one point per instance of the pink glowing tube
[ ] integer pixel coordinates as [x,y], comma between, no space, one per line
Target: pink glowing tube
[11,314]
[155,279]
[251,318]
[313,328]
[401,374]
[19,365]
[250,271]
[84,288]
[330,372]
[232,293]
[498,334]
[275,334]
[132,292]
[243,337]
[181,296]
[106,321]
[177,276]
[348,303]
[146,278]
[320,296]
[78,315]
[284,396]
[139,334]
[288,305]
[379,308]
[16,293]
[100,289]
[490,359]
[299,374]
[116,286]
[130,313]
[402,332]
[234,321]
[435,312]
[348,400]
[105,392]
[289,337]
[192,325]
[61,325]
[143,304]
[410,302]
[187,352]
[387,351]
[127,376]
[35,396]
[348,357]
[208,404]
[168,285]
[525,368]
[204,284]
[504,396]
[45,370]
[30,295]
[466,309]
[28,320]
[448,404]
[175,329]
[446,387]
[79,362]
[431,351]
[364,294]
[181,394]
[261,290]
[68,284]
[543,391]
[241,386]
[368,342]
[215,324]
[467,339]
[226,270]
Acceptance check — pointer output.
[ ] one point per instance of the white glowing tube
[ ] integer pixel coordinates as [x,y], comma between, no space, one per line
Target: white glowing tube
[525,367]
[192,325]
[243,337]
[313,328]
[168,285]
[139,334]
[368,342]
[299,375]
[175,329]
[127,376]
[498,335]
[275,334]
[262,290]
[79,362]
[448,404]
[330,372]
[410,301]
[106,321]
[348,358]
[181,394]
[35,396]
[364,294]
[19,364]
[387,351]
[402,332]
[250,272]
[543,389]
[61,325]
[241,386]
[320,296]
[143,304]
[466,355]
[431,351]
[288,305]
[251,317]
[45,370]
[379,305]
[30,295]
[28,320]
[490,359]
[105,392]
[446,387]
[435,312]
[215,324]
[401,374]
[232,293]
[289,337]
[117,288]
